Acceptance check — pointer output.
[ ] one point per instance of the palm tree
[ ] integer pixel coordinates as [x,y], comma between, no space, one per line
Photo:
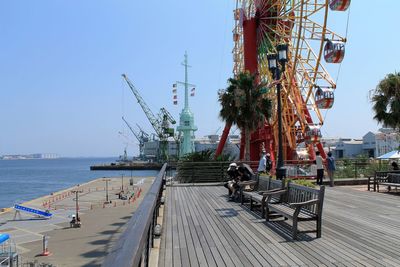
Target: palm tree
[386,101]
[243,104]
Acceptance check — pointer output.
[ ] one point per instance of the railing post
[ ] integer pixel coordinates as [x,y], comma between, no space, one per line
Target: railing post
[355,169]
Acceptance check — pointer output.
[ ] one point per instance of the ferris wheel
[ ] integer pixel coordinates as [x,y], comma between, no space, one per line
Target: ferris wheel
[307,86]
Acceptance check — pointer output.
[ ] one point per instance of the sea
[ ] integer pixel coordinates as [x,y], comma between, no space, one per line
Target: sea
[23,180]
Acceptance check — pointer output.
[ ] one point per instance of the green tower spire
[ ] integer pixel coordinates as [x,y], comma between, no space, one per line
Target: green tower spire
[186,121]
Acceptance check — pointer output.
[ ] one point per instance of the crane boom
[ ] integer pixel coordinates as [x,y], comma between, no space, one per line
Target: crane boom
[168,115]
[147,111]
[139,137]
[142,132]
[130,128]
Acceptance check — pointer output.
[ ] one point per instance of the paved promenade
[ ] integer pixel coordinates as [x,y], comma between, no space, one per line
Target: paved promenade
[85,246]
[201,228]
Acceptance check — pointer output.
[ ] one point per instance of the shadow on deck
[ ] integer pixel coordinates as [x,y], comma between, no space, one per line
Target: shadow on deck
[201,228]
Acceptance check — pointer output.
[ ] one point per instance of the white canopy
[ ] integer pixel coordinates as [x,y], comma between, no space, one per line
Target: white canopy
[391,155]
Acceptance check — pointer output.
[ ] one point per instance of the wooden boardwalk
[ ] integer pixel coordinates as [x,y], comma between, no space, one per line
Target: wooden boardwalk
[201,228]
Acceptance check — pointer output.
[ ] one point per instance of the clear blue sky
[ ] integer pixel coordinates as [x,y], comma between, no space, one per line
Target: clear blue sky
[61,61]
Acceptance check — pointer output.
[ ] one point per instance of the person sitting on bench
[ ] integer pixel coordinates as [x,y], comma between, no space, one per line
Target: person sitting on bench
[75,222]
[243,175]
[232,176]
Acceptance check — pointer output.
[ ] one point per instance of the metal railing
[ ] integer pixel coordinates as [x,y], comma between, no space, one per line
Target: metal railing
[205,172]
[133,247]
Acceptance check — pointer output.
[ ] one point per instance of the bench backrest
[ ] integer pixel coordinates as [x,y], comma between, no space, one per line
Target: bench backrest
[276,184]
[266,183]
[298,193]
[263,183]
[384,174]
[394,178]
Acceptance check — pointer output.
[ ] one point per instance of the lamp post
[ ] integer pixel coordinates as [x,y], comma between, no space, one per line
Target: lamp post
[122,185]
[106,180]
[273,60]
[76,192]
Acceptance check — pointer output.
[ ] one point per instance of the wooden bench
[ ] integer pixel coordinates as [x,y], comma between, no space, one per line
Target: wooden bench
[299,203]
[392,180]
[379,177]
[258,194]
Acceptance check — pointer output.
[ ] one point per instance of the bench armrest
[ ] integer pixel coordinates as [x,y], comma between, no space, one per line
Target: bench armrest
[244,183]
[269,191]
[305,203]
[275,192]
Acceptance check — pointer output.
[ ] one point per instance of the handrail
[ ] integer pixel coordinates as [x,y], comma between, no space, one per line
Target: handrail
[133,247]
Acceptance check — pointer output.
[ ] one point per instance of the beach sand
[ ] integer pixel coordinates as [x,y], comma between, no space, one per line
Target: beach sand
[86,246]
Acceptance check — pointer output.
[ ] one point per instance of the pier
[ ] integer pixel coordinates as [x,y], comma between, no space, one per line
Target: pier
[201,228]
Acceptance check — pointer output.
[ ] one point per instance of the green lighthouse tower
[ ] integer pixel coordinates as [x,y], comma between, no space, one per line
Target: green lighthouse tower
[186,121]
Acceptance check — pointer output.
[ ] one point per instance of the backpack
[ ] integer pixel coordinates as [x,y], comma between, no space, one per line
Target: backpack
[268,164]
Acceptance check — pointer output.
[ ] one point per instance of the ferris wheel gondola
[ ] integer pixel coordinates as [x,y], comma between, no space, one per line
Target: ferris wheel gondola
[339,5]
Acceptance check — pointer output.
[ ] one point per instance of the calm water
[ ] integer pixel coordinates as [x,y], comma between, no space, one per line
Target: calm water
[23,180]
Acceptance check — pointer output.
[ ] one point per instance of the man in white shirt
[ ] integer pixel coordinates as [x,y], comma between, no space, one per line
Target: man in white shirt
[320,168]
[262,163]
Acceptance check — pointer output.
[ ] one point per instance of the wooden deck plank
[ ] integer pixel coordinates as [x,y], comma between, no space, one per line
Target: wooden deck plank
[201,259]
[232,241]
[167,234]
[176,250]
[223,246]
[190,256]
[236,228]
[247,237]
[204,247]
[203,229]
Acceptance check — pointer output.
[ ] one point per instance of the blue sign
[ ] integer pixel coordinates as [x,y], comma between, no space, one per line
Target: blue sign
[4,238]
[34,211]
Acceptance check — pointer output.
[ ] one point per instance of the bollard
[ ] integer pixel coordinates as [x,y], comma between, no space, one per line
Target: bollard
[115,204]
[45,251]
[91,206]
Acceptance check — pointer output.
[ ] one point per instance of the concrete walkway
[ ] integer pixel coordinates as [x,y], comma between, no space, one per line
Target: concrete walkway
[85,246]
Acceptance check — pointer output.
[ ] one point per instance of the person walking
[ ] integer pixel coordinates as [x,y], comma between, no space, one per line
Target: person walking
[262,164]
[320,168]
[331,168]
[268,163]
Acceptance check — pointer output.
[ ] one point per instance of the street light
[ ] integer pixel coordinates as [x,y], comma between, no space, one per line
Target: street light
[273,66]
[106,180]
[76,192]
[122,186]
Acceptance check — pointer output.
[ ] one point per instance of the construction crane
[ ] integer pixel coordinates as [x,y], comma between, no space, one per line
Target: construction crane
[142,137]
[160,123]
[124,158]
[143,134]
[166,119]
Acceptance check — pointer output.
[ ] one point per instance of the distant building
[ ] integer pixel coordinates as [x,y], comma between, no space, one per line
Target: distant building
[31,156]
[348,148]
[382,142]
